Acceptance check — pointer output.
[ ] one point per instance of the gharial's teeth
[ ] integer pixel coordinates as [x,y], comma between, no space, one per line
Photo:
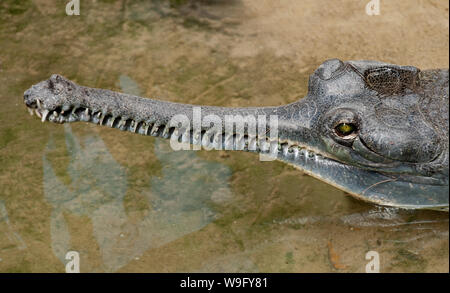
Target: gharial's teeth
[285,148]
[121,123]
[142,128]
[38,103]
[165,131]
[101,119]
[30,111]
[133,125]
[96,116]
[44,115]
[37,112]
[147,125]
[154,129]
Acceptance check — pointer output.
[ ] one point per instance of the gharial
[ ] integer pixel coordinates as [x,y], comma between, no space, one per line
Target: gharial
[375,130]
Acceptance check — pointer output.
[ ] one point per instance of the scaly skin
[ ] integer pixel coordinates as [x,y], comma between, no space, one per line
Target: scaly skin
[375,130]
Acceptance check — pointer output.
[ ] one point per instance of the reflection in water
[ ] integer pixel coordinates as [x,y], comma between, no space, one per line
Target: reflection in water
[377,216]
[402,223]
[13,239]
[384,217]
[180,199]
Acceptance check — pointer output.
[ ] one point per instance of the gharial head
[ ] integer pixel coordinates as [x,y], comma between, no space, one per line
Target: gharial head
[387,122]
[378,131]
[372,115]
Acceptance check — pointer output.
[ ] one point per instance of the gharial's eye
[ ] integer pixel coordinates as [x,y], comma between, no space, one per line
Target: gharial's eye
[346,130]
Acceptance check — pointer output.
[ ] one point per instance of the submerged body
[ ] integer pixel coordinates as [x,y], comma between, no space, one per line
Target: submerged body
[377,131]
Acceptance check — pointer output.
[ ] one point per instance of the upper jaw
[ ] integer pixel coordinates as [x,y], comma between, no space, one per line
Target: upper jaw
[36,107]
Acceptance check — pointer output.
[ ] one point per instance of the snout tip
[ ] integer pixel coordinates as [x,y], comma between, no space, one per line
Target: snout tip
[30,100]
[26,96]
[27,99]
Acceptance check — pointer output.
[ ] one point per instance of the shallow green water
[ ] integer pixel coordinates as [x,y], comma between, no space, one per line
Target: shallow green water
[128,203]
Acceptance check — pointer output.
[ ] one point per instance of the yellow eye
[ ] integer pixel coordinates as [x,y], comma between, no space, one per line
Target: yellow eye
[345,129]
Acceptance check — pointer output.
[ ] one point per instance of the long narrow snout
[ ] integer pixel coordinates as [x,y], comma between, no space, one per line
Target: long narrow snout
[59,100]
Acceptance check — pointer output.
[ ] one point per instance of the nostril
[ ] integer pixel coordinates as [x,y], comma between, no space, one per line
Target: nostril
[26,100]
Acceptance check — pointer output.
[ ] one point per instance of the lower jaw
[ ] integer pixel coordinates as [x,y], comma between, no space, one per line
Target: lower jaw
[374,187]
